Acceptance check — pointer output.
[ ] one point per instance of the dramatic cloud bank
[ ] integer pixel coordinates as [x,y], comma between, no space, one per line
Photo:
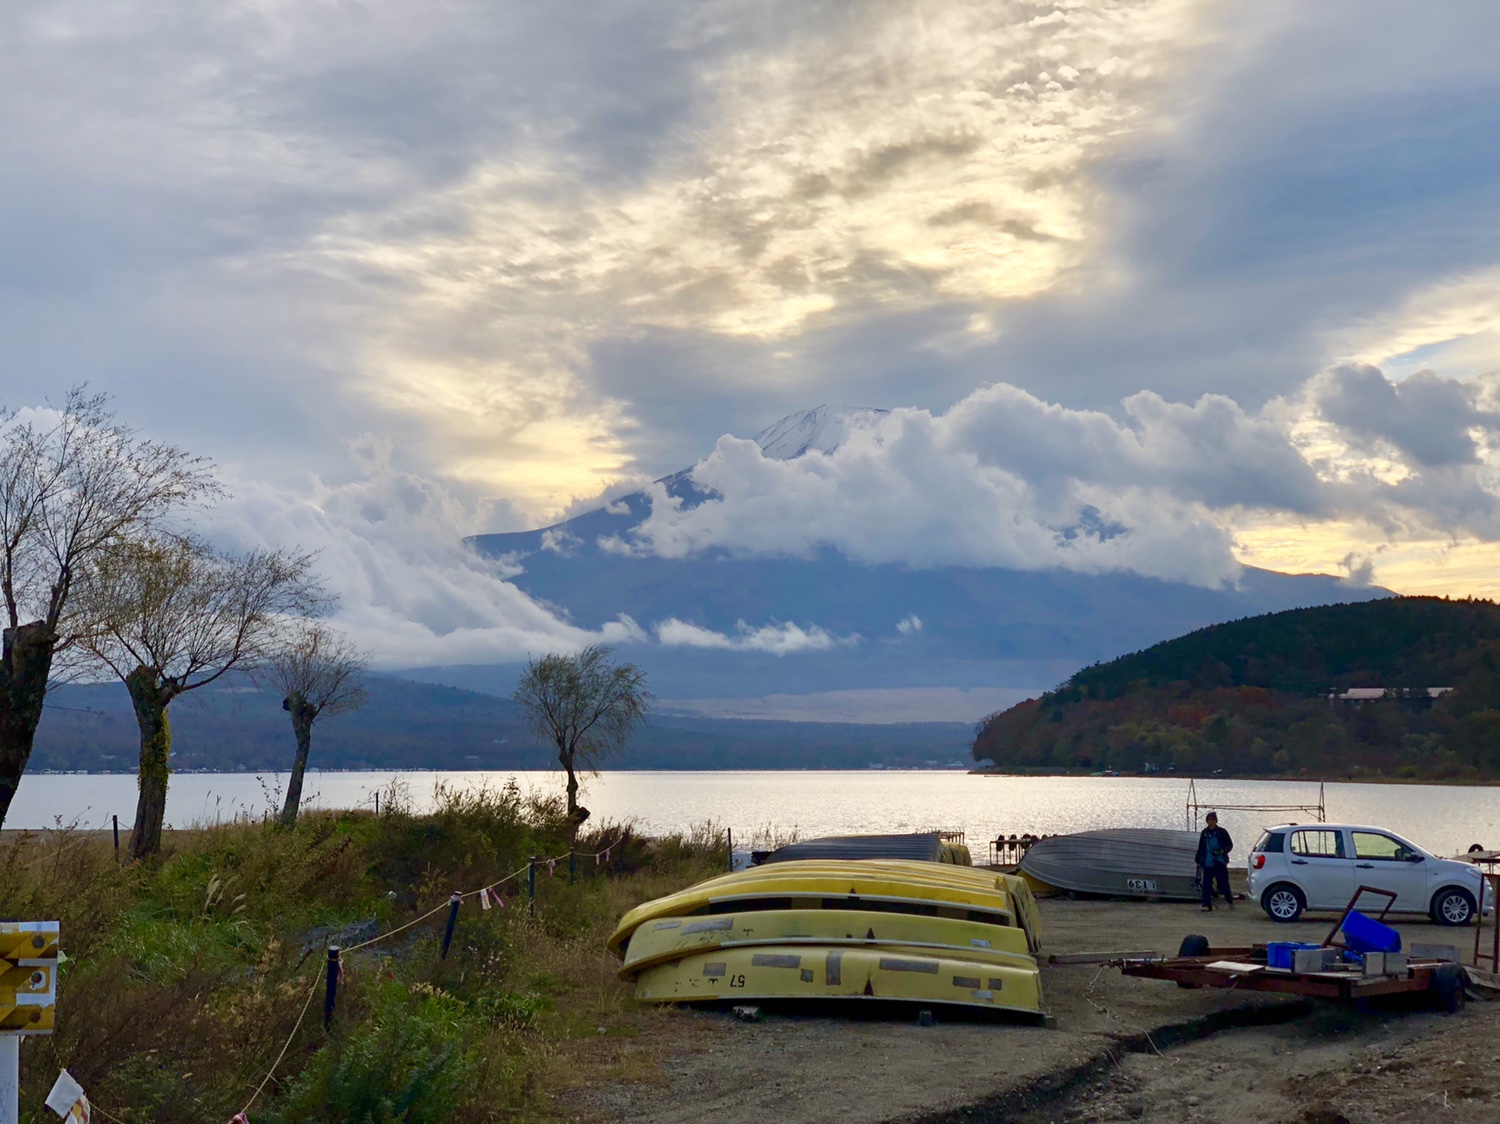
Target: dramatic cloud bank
[1005,479]
[390,544]
[543,248]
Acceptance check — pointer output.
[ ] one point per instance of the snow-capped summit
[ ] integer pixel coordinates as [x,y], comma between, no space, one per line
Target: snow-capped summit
[822,428]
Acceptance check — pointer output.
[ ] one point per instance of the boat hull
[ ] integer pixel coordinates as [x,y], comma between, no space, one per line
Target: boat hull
[1148,864]
[794,972]
[673,938]
[876,885]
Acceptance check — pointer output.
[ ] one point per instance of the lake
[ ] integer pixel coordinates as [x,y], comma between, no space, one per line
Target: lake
[759,804]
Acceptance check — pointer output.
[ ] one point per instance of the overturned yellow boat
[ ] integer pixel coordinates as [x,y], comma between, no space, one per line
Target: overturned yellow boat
[828,929]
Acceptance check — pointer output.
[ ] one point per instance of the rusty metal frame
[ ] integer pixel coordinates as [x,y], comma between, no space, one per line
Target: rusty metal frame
[1490,877]
[1194,970]
[1348,909]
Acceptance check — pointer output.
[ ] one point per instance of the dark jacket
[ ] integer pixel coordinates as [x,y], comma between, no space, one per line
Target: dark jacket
[1214,844]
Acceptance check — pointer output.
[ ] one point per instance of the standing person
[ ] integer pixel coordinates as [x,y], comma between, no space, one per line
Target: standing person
[1214,846]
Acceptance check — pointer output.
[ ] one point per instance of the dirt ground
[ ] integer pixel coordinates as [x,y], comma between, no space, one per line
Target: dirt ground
[1122,1049]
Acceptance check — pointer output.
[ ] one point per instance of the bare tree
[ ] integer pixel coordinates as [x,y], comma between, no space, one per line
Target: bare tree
[317,672]
[73,482]
[171,615]
[586,706]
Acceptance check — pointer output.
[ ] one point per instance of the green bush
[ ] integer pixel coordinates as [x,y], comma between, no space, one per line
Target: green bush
[409,1061]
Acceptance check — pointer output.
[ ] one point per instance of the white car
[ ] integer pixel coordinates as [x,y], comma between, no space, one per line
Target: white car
[1296,867]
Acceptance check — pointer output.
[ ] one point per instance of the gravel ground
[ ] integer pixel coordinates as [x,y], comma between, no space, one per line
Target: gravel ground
[1319,1063]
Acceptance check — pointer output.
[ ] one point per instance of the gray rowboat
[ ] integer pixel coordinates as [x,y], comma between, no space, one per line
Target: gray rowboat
[1149,863]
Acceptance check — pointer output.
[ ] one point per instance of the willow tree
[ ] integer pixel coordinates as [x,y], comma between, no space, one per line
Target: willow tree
[171,615]
[587,706]
[73,482]
[317,672]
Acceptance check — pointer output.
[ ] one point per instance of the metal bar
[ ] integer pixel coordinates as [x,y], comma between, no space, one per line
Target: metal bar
[1348,909]
[10,1078]
[1100,957]
[1258,981]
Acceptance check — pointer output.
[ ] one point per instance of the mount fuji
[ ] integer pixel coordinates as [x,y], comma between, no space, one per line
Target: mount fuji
[830,638]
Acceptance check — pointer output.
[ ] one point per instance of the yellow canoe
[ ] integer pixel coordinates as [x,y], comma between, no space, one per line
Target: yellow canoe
[890,886]
[769,972]
[673,938]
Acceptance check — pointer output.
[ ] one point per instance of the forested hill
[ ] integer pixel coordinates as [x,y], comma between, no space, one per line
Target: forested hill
[1396,641]
[1252,697]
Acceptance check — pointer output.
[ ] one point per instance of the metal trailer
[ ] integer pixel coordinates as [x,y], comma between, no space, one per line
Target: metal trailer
[1247,969]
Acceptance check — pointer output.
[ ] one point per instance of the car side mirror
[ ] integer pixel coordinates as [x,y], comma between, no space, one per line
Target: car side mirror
[1414,858]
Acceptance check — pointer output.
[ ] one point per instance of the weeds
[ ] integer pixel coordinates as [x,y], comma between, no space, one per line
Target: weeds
[184,978]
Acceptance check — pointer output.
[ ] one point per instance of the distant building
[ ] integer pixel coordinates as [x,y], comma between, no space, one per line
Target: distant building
[1369,694]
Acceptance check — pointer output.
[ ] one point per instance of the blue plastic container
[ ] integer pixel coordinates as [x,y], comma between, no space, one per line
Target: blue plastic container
[1365,934]
[1279,953]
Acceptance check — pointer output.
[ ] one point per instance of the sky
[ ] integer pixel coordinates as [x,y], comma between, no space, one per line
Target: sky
[1153,285]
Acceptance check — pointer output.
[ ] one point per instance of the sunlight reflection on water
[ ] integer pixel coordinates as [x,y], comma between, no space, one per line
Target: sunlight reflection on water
[1445,819]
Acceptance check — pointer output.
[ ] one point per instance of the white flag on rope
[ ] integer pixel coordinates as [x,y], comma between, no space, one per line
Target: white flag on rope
[67,1099]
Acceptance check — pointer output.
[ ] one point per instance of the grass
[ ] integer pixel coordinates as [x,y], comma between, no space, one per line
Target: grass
[185,978]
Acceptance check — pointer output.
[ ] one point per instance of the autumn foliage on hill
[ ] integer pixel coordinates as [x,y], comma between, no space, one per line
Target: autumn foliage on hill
[1252,697]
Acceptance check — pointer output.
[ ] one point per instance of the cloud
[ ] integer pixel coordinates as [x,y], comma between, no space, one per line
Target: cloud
[908,625]
[390,545]
[538,249]
[1433,422]
[776,639]
[1006,479]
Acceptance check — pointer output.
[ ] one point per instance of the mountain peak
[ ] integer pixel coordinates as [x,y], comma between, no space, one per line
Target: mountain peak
[822,428]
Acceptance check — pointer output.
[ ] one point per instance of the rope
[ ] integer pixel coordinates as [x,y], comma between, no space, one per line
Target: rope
[488,887]
[1088,993]
[287,1045]
[402,928]
[313,989]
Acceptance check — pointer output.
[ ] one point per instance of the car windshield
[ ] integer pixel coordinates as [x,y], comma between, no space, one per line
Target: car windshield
[1378,845]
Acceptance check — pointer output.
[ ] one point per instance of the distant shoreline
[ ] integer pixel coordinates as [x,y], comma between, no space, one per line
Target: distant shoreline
[1459,782]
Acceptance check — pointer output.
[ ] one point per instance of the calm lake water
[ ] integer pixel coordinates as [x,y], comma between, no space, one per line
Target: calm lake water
[758,804]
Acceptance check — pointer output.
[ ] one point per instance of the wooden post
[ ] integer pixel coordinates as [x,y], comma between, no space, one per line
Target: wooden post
[377,803]
[331,985]
[531,884]
[729,838]
[453,903]
[117,837]
[572,867]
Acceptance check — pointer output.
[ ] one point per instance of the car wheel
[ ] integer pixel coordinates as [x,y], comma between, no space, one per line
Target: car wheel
[1453,907]
[1283,902]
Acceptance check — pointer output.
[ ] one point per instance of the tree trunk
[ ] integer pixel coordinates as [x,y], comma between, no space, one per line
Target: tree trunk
[302,720]
[26,664]
[150,697]
[577,813]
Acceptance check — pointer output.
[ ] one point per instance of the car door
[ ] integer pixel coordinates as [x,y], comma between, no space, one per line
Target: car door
[1318,858]
[1382,861]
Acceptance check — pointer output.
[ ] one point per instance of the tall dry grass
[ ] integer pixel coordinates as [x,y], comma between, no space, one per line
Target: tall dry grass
[184,978]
